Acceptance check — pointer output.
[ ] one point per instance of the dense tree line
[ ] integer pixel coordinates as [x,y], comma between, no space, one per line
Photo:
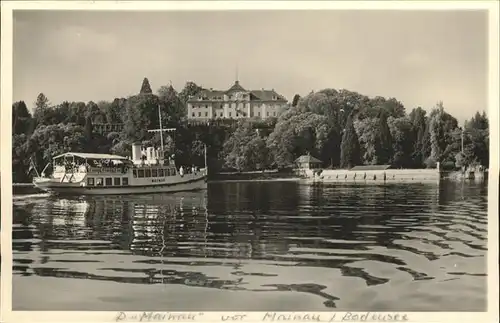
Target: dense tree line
[344,128]
[340,127]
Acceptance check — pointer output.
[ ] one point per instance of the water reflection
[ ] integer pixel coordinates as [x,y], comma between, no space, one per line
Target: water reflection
[334,243]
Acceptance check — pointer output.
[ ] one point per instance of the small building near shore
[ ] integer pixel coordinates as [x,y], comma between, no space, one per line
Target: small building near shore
[308,162]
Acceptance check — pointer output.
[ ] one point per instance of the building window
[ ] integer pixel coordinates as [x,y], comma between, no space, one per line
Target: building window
[147,173]
[154,173]
[274,113]
[125,181]
[135,173]
[193,114]
[229,114]
[109,181]
[117,181]
[99,181]
[221,114]
[199,114]
[258,113]
[206,114]
[90,181]
[140,173]
[268,114]
[160,172]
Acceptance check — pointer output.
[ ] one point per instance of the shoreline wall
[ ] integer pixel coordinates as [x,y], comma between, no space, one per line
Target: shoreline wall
[371,176]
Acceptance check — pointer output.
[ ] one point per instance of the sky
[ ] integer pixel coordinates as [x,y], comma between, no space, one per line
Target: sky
[417,57]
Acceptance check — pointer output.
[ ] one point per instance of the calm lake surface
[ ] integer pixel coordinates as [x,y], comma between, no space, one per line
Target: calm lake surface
[255,246]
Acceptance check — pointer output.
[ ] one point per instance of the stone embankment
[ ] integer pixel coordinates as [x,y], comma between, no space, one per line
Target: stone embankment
[371,176]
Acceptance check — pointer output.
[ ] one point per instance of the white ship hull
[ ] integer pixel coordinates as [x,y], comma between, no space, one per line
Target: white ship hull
[189,184]
[77,173]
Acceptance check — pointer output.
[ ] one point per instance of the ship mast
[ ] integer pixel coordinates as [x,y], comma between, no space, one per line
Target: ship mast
[161,130]
[205,155]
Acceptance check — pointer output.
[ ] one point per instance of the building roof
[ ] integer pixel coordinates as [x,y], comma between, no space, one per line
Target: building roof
[267,95]
[371,167]
[211,94]
[236,87]
[92,156]
[307,159]
[255,95]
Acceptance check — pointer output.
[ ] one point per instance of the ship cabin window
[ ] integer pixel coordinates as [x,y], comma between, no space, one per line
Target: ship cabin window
[154,173]
[161,173]
[99,181]
[109,181]
[90,181]
[135,173]
[125,181]
[140,173]
[117,181]
[148,172]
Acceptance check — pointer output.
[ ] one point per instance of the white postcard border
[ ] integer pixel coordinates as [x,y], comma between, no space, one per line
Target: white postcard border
[7,315]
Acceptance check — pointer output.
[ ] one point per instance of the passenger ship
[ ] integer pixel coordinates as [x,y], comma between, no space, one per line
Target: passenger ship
[101,174]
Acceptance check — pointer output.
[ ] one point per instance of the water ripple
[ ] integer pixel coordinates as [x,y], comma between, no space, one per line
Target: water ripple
[256,246]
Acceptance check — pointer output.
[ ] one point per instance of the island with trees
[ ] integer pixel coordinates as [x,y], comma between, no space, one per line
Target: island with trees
[341,128]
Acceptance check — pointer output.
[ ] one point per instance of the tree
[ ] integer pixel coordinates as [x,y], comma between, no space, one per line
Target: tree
[442,142]
[174,110]
[349,151]
[22,121]
[78,111]
[145,87]
[189,90]
[42,109]
[88,129]
[141,115]
[166,92]
[114,111]
[42,102]
[95,114]
[297,133]
[419,125]
[295,100]
[476,142]
[384,142]
[402,141]
[52,140]
[367,131]
[245,149]
[20,158]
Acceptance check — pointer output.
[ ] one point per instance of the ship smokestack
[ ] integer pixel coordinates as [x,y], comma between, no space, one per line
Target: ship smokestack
[136,152]
[150,153]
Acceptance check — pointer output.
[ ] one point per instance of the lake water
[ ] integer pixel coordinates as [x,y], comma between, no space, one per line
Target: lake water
[255,246]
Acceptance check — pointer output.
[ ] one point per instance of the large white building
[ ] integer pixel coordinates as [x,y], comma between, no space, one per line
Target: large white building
[235,103]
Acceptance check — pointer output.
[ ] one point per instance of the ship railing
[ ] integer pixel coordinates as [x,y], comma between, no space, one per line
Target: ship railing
[116,170]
